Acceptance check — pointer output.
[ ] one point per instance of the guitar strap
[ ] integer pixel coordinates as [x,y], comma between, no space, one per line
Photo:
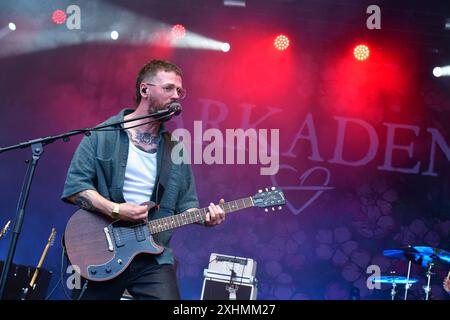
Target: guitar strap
[166,165]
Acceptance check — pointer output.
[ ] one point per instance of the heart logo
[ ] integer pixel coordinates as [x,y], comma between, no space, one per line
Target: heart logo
[304,186]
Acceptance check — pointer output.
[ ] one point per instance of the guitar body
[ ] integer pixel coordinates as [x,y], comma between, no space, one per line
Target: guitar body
[103,248]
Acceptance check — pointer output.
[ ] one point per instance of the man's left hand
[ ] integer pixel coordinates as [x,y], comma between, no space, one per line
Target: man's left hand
[216,215]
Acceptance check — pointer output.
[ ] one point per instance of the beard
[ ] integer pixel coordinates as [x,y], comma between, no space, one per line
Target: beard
[155,105]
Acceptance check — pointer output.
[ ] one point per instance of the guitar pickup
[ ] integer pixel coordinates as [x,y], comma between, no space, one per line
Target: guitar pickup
[140,234]
[118,239]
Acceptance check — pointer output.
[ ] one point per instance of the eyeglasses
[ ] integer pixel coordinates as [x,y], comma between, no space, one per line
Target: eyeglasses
[168,89]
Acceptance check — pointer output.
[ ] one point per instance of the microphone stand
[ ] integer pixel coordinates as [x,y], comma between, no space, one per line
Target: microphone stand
[37,148]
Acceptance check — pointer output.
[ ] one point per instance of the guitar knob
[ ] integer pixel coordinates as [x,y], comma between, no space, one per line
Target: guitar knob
[266,210]
[273,188]
[93,271]
[279,208]
[108,270]
[267,189]
[273,208]
[259,191]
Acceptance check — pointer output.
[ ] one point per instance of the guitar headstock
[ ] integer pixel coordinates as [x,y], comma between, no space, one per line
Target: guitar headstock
[51,238]
[5,229]
[271,197]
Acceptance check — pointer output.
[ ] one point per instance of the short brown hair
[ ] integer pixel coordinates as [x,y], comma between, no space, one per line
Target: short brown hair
[150,69]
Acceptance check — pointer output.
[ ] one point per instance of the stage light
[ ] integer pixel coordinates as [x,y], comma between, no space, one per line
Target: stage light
[178,31]
[361,52]
[225,47]
[447,24]
[437,72]
[114,35]
[441,71]
[234,3]
[134,28]
[12,26]
[281,42]
[59,16]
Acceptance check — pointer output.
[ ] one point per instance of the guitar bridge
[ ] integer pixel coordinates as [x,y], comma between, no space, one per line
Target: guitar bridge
[108,239]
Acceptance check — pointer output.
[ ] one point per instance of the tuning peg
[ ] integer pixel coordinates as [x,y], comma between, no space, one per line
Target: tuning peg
[273,208]
[266,210]
[273,188]
[259,191]
[280,207]
[267,189]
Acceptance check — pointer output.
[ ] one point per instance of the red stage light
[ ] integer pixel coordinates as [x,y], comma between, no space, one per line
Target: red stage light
[361,52]
[281,42]
[178,31]
[59,16]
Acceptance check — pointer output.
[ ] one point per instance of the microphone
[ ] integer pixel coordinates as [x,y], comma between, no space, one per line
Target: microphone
[175,107]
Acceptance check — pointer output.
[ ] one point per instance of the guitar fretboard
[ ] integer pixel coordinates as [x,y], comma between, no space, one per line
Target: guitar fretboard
[195,216]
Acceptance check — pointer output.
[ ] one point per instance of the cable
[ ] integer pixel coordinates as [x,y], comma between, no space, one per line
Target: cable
[61,273]
[62,270]
[53,290]
[137,125]
[83,290]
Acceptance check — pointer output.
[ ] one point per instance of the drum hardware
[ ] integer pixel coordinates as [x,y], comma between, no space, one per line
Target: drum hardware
[426,257]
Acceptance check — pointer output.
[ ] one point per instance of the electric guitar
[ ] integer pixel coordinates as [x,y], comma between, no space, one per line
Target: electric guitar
[102,248]
[32,285]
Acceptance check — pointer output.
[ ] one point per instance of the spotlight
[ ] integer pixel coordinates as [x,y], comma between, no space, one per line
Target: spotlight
[361,52]
[225,47]
[234,3]
[441,71]
[12,26]
[281,42]
[59,16]
[447,24]
[114,35]
[178,31]
[437,72]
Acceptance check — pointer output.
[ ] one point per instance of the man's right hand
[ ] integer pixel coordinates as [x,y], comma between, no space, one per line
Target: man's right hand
[133,212]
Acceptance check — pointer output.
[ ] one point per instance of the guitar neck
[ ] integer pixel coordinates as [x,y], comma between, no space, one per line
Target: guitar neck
[195,216]
[5,228]
[36,271]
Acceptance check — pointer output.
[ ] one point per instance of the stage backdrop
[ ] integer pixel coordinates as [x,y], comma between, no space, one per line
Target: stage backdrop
[363,151]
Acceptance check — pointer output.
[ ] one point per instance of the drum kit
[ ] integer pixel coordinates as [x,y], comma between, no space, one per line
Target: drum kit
[426,257]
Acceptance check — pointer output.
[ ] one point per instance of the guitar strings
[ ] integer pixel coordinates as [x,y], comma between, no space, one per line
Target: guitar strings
[167,223]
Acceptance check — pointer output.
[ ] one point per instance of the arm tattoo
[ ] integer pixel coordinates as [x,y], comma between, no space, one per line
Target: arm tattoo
[84,203]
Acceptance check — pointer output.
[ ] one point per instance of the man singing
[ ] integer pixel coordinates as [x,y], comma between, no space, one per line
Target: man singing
[116,171]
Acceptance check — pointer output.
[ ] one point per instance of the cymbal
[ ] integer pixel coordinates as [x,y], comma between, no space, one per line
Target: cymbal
[420,254]
[394,279]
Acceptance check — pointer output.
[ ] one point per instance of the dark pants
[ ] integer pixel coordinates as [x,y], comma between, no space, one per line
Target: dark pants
[144,279]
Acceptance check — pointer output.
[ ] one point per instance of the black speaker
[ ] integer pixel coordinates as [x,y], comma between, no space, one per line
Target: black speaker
[19,279]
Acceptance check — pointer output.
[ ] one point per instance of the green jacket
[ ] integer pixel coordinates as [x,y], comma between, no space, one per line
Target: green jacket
[99,164]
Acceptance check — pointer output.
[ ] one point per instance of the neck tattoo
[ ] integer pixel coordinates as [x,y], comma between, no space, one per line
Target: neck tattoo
[147,138]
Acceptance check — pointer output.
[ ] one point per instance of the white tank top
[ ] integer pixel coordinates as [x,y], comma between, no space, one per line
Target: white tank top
[140,175]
